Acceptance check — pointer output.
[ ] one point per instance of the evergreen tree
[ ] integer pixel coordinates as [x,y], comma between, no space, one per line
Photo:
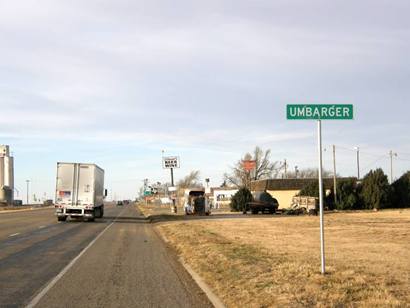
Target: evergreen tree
[401,191]
[239,200]
[347,195]
[375,190]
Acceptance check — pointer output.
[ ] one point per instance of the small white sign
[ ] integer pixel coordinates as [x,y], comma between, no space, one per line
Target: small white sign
[172,188]
[170,162]
[166,200]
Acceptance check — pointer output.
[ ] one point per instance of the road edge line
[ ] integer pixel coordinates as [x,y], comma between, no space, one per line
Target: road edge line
[47,288]
[30,209]
[213,298]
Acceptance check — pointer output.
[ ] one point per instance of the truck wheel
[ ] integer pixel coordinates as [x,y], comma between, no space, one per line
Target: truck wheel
[271,211]
[62,218]
[98,212]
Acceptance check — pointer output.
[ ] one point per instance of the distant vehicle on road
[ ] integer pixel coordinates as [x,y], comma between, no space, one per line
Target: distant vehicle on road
[17,202]
[79,191]
[48,202]
[262,202]
[120,203]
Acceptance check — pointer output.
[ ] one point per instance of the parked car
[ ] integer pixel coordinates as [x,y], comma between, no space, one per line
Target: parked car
[120,203]
[48,202]
[17,202]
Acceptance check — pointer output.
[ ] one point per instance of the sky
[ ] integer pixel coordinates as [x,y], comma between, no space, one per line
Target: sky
[116,82]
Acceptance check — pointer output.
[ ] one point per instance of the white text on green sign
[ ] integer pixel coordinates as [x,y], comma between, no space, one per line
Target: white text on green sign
[319,112]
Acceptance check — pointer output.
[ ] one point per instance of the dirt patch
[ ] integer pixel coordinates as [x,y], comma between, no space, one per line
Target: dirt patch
[275,262]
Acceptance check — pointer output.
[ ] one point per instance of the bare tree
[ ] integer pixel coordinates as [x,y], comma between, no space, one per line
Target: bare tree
[264,168]
[190,180]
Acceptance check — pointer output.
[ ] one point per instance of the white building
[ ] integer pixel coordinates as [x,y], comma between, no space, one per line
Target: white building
[222,196]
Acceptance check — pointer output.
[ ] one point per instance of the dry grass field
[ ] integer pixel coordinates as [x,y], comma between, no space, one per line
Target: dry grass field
[271,262]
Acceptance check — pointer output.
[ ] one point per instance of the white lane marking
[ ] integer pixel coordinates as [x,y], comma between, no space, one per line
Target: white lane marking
[41,227]
[43,292]
[14,234]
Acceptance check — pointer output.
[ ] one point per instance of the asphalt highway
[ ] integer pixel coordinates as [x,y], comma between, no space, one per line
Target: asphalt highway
[127,265]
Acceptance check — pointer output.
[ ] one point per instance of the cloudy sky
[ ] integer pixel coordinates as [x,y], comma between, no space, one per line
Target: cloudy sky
[116,82]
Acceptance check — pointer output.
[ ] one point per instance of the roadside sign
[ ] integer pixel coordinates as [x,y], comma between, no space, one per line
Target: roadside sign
[147,193]
[170,162]
[249,165]
[172,188]
[319,112]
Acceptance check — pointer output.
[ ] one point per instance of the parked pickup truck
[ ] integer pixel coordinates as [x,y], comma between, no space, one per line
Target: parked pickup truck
[262,202]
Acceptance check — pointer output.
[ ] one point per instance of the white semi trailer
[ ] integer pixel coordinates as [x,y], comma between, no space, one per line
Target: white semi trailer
[79,191]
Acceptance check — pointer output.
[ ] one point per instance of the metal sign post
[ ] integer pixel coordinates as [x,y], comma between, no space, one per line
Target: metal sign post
[322,233]
[171,163]
[319,113]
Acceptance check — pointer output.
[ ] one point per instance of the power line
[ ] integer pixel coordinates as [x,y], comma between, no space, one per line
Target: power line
[365,152]
[375,161]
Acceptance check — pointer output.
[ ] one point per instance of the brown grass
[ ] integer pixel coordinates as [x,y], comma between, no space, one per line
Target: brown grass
[275,262]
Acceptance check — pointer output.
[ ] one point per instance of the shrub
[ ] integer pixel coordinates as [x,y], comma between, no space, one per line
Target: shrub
[375,190]
[347,195]
[312,190]
[401,191]
[239,200]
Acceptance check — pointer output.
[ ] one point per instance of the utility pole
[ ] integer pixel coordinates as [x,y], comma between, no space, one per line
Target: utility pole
[296,172]
[334,173]
[391,165]
[358,163]
[27,190]
[286,168]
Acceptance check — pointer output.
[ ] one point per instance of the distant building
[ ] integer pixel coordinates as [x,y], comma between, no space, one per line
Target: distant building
[221,197]
[6,175]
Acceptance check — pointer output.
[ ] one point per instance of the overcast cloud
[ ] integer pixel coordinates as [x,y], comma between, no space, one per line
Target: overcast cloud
[115,82]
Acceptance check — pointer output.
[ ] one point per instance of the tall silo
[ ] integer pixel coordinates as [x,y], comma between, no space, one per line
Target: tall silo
[6,175]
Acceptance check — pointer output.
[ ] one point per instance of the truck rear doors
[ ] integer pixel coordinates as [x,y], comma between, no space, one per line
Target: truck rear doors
[75,184]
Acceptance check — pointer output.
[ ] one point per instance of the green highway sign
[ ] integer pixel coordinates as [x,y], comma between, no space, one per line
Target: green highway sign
[319,112]
[147,193]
